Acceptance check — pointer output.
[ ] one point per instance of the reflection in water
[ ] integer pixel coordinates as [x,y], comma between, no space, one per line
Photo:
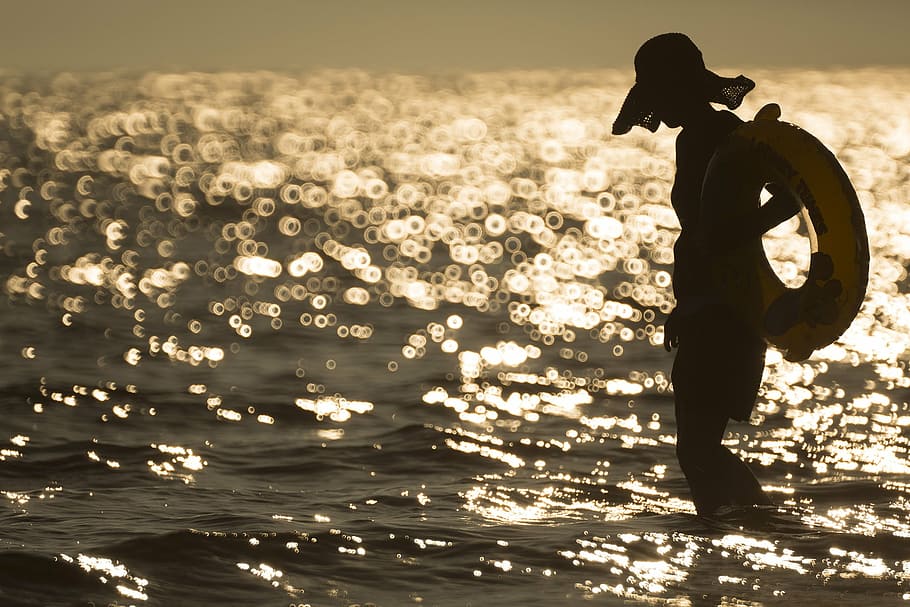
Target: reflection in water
[388,328]
[113,573]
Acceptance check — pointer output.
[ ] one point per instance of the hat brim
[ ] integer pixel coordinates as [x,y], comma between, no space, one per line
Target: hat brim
[638,108]
[727,91]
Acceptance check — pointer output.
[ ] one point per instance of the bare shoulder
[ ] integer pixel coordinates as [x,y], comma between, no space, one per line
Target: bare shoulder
[727,120]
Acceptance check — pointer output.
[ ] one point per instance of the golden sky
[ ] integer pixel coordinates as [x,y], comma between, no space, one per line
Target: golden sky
[427,35]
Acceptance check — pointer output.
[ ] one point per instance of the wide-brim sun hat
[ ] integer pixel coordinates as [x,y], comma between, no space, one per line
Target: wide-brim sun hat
[667,61]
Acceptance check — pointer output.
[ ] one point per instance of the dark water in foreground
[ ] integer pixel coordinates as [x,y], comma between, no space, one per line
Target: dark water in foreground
[348,339]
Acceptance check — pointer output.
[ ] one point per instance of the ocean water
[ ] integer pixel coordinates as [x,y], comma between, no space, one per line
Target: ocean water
[345,338]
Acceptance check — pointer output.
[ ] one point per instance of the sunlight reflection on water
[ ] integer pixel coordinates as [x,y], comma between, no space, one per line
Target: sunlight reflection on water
[200,228]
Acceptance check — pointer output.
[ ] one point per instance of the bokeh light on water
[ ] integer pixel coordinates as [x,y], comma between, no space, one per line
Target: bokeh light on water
[314,260]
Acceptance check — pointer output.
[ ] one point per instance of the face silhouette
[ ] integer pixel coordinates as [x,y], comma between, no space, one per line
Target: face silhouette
[677,104]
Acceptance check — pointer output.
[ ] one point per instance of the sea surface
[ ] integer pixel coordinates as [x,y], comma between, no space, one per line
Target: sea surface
[350,338]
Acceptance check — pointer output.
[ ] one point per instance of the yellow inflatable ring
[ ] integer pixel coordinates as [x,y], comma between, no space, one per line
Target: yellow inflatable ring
[815,314]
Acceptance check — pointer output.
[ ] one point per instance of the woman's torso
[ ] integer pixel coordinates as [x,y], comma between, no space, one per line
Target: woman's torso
[693,286]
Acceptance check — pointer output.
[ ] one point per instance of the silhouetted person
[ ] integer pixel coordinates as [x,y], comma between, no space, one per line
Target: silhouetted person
[720,358]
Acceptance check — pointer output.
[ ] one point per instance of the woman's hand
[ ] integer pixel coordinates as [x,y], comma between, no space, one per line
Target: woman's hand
[782,205]
[671,331]
[734,232]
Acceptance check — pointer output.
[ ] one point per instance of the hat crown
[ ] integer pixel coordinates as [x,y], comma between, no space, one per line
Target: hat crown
[668,56]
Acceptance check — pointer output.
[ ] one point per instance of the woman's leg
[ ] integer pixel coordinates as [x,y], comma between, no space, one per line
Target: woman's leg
[716,477]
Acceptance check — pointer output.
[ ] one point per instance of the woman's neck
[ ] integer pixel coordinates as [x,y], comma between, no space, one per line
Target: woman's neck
[699,117]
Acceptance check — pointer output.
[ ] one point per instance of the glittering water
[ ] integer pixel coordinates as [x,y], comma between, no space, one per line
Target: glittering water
[348,338]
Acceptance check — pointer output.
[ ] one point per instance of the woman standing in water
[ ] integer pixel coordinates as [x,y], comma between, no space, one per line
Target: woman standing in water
[719,359]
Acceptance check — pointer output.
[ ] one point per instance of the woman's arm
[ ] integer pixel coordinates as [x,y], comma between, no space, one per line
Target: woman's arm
[725,237]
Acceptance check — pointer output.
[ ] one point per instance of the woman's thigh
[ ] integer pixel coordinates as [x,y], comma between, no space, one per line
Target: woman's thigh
[701,409]
[718,368]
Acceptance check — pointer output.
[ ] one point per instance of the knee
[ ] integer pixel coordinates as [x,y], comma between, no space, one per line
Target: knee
[693,454]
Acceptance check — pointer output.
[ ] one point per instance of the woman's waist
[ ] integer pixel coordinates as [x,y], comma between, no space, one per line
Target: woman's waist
[691,304]
[707,317]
